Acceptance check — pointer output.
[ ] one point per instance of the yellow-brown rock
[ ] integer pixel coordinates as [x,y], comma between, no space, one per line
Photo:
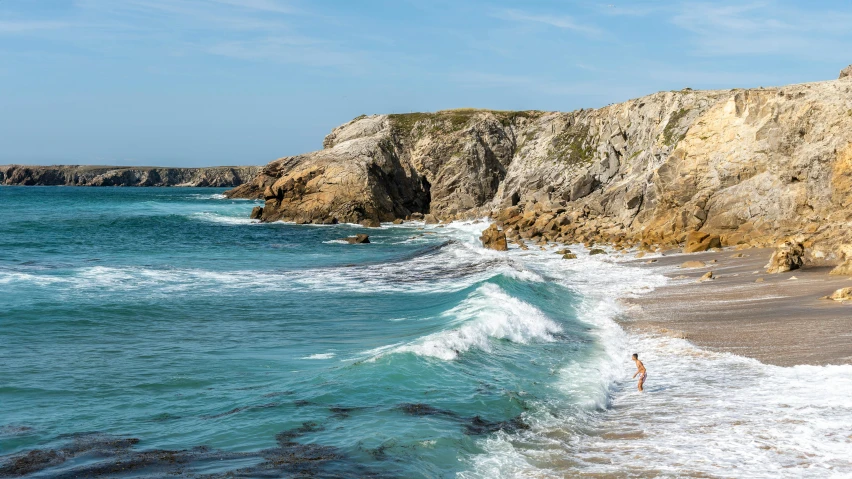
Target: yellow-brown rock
[787,257]
[744,166]
[494,238]
[699,241]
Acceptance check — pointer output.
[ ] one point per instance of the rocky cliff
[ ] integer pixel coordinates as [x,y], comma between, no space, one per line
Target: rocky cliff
[754,166]
[74,175]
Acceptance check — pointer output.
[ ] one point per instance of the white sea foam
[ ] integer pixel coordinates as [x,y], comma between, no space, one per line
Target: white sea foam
[320,356]
[453,267]
[487,314]
[703,413]
[223,219]
[214,196]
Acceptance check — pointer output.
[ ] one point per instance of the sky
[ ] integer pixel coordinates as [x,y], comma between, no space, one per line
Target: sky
[242,82]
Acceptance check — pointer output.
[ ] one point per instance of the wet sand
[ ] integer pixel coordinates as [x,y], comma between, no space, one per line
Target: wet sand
[780,321]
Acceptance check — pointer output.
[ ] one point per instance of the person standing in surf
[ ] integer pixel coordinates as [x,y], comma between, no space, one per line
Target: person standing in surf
[640,370]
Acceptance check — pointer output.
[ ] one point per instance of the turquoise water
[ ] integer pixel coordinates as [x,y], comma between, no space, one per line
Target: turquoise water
[154,333]
[166,316]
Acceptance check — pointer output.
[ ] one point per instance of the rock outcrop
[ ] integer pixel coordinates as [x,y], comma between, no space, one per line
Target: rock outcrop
[787,257]
[700,241]
[751,167]
[494,238]
[843,269]
[843,294]
[78,175]
[357,239]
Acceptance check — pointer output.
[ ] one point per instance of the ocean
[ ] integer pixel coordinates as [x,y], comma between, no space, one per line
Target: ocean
[150,332]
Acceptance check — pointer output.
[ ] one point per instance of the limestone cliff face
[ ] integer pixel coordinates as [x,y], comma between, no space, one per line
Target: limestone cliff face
[753,166]
[73,175]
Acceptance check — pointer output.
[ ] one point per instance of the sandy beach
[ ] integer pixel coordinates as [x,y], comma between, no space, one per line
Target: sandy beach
[779,319]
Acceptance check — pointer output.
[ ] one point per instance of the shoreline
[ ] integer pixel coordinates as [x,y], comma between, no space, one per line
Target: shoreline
[773,318]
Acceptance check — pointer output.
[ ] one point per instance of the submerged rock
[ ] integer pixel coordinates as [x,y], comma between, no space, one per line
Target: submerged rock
[693,264]
[787,257]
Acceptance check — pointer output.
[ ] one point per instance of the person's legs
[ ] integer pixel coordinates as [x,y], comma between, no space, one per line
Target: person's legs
[642,383]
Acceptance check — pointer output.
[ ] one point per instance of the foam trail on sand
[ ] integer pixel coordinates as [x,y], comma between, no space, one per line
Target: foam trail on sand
[703,413]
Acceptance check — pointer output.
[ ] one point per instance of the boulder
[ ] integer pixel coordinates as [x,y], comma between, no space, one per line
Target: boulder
[563,251]
[256,212]
[416,216]
[842,294]
[370,223]
[569,256]
[699,241]
[707,277]
[506,214]
[430,219]
[398,221]
[357,239]
[787,257]
[494,238]
[693,264]
[596,251]
[846,73]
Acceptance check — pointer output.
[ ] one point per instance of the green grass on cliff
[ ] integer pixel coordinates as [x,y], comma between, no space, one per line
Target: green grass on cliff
[573,145]
[448,121]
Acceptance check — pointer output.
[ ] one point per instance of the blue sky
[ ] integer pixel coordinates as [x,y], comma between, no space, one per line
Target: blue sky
[218,82]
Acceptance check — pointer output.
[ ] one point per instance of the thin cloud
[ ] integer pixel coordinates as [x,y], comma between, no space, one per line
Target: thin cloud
[30,26]
[262,5]
[764,28]
[559,21]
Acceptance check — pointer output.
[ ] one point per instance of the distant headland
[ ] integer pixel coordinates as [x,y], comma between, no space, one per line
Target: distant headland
[82,175]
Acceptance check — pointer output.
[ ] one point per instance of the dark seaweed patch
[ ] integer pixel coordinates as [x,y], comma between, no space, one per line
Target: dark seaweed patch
[40,459]
[478,426]
[30,462]
[474,426]
[113,458]
[420,409]
[241,409]
[279,393]
[15,430]
[285,438]
[340,412]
